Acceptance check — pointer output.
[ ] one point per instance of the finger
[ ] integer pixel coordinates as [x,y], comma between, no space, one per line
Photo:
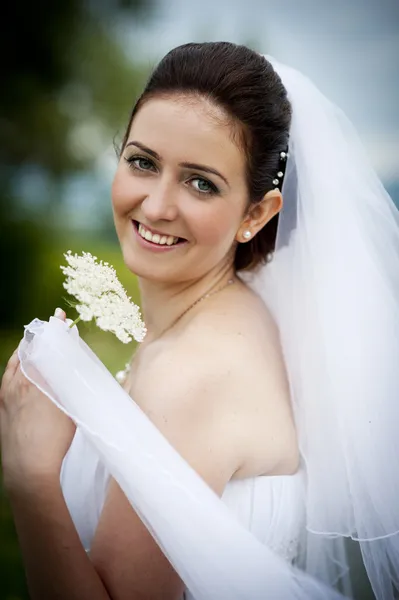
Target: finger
[13,362]
[60,314]
[11,369]
[35,378]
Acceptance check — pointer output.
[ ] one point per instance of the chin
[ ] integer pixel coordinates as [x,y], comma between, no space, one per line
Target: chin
[144,269]
[134,265]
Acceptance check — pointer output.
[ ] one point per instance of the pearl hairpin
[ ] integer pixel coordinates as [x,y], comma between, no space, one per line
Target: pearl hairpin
[280,174]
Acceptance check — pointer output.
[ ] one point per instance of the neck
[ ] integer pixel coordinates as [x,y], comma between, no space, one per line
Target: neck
[163,303]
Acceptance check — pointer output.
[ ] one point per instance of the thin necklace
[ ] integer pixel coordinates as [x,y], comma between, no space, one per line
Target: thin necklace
[210,293]
[122,375]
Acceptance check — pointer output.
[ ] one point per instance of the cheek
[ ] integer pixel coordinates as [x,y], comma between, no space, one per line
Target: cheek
[215,226]
[117,190]
[123,192]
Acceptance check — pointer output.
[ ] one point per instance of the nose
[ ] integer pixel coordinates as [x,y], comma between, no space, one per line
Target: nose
[160,203]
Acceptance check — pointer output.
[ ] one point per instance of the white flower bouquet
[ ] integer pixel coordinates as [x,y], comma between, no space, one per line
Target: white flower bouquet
[101,296]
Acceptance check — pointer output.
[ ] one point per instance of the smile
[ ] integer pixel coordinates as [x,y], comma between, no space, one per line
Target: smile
[157,239]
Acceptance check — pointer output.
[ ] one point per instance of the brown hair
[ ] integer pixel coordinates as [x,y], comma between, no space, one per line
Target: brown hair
[245,85]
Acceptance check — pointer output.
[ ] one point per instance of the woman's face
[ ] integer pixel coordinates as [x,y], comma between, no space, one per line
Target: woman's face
[182,176]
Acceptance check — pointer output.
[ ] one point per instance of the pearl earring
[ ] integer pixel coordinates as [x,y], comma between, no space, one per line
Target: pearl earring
[247,234]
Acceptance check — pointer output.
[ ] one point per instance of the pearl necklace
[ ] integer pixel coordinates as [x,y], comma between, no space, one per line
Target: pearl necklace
[121,376]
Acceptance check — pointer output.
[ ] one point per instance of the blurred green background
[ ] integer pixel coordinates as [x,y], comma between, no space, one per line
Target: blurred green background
[71,72]
[68,88]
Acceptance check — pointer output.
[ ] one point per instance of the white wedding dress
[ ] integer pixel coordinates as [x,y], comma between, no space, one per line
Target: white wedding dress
[239,547]
[271,508]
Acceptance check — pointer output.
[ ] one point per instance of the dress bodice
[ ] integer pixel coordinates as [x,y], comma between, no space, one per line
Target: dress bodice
[270,507]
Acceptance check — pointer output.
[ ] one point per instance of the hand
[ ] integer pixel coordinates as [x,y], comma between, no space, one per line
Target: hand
[34,434]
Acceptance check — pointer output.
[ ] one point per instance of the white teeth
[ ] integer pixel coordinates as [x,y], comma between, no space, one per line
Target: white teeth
[156,238]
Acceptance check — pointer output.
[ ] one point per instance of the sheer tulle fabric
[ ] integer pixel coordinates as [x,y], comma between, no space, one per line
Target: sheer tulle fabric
[215,556]
[333,288]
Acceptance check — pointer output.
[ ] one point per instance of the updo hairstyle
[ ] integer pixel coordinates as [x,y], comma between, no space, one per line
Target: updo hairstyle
[244,84]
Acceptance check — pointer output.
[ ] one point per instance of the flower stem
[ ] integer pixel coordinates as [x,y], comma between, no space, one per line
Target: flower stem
[75,321]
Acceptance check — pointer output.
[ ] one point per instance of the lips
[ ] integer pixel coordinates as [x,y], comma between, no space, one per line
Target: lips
[159,236]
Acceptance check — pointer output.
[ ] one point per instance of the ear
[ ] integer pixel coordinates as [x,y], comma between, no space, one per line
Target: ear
[259,214]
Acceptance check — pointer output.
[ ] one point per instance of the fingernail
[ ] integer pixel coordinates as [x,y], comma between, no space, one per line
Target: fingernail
[58,313]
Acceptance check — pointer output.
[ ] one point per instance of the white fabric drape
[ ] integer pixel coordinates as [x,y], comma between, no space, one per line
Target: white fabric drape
[214,555]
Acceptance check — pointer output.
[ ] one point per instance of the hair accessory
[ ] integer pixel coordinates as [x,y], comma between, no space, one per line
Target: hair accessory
[278,180]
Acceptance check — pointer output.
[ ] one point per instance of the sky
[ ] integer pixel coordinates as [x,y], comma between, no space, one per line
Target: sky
[350,48]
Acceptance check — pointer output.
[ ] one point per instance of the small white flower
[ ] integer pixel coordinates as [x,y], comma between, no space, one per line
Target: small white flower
[101,296]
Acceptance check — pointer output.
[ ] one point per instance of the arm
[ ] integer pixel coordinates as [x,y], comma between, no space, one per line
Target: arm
[124,553]
[202,409]
[125,562]
[199,414]
[55,561]
[35,437]
[190,412]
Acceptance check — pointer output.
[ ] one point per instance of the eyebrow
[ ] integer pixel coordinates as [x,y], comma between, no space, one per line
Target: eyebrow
[187,165]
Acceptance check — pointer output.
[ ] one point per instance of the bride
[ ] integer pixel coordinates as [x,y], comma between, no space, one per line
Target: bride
[263,423]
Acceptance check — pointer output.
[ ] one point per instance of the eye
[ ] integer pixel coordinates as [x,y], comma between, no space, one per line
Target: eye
[140,163]
[203,186]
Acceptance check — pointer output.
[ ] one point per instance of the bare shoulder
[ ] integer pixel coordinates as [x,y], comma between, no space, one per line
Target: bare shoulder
[224,377]
[241,321]
[241,338]
[218,392]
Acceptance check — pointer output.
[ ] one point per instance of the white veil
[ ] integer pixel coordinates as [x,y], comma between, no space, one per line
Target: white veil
[333,288]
